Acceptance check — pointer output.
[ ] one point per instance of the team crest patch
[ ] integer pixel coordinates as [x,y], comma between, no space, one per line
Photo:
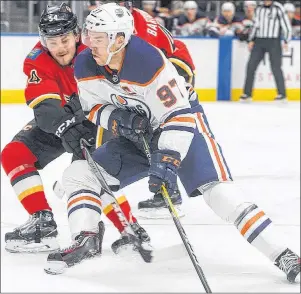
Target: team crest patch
[34,78]
[131,104]
[34,53]
[121,100]
[119,12]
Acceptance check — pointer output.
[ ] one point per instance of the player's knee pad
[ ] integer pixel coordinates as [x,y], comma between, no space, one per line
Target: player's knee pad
[226,200]
[79,176]
[16,155]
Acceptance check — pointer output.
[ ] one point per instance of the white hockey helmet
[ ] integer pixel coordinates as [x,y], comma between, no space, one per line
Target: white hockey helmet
[228,6]
[112,19]
[190,5]
[289,7]
[250,3]
[149,3]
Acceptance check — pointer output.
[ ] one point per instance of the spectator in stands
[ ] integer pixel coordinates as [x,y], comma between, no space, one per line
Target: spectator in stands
[248,20]
[290,11]
[227,24]
[239,7]
[190,23]
[151,8]
[207,6]
[177,8]
[249,9]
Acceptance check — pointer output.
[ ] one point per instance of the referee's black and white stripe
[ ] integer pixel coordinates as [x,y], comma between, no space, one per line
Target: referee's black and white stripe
[271,22]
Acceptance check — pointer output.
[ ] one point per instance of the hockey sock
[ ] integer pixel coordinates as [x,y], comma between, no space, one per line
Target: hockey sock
[257,228]
[112,215]
[18,163]
[227,201]
[84,211]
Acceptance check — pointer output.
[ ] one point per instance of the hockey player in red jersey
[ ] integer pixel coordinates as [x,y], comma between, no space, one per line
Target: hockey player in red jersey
[147,28]
[52,132]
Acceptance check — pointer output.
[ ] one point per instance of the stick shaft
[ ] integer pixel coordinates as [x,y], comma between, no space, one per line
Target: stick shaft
[179,227]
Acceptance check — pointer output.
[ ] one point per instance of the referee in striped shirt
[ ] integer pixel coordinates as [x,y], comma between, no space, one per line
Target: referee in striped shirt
[271,23]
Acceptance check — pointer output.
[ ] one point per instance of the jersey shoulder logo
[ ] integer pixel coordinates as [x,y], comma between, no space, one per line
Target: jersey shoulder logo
[34,53]
[34,78]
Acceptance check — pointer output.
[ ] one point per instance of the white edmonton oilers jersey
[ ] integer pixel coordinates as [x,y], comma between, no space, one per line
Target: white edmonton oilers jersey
[148,85]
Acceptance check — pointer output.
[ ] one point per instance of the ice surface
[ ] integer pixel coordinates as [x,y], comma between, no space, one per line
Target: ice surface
[261,142]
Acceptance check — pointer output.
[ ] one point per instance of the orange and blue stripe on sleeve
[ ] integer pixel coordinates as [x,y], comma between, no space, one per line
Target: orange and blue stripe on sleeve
[94,114]
[181,120]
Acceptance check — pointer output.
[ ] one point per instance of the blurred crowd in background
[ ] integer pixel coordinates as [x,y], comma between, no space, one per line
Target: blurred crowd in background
[182,18]
[212,18]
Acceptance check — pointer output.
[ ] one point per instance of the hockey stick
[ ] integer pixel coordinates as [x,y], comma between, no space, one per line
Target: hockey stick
[179,226]
[146,254]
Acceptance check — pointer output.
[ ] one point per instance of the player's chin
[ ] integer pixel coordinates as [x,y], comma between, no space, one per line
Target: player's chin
[99,61]
[64,60]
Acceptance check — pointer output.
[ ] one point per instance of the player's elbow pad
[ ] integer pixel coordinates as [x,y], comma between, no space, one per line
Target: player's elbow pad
[176,141]
[46,113]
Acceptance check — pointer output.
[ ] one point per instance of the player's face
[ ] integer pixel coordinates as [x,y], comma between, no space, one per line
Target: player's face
[290,15]
[267,3]
[148,7]
[250,9]
[228,14]
[62,48]
[191,12]
[98,43]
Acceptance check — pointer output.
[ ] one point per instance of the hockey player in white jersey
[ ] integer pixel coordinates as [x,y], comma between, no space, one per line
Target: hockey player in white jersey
[129,87]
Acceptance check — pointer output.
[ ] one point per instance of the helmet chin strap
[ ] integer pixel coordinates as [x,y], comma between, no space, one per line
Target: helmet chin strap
[112,53]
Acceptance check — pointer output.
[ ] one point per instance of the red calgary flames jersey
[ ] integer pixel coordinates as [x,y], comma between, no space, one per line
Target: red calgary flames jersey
[46,78]
[147,28]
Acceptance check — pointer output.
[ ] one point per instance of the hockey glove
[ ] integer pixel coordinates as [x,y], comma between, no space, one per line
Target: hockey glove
[129,125]
[73,106]
[71,131]
[163,170]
